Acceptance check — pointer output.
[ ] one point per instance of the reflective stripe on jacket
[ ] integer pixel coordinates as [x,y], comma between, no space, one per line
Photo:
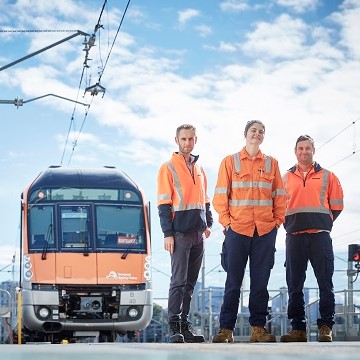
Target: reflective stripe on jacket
[183,203]
[249,193]
[314,202]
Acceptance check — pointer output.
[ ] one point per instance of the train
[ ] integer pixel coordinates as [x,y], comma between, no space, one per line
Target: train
[85,267]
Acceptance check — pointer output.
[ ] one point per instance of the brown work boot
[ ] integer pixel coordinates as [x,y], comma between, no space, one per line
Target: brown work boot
[260,334]
[294,336]
[325,334]
[224,336]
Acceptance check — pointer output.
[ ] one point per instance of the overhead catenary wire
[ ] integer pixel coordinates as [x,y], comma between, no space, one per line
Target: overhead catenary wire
[97,27]
[80,130]
[33,30]
[344,158]
[354,151]
[340,132]
[113,43]
[72,122]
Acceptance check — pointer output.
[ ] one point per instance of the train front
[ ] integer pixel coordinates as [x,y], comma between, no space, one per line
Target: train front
[86,264]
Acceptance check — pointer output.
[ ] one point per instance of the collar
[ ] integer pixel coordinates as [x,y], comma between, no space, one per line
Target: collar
[193,158]
[315,166]
[244,154]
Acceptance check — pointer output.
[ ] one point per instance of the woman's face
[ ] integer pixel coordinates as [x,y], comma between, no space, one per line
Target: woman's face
[255,134]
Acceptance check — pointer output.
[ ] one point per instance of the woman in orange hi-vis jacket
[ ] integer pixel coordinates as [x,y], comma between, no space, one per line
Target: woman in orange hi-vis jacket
[250,200]
[185,219]
[314,201]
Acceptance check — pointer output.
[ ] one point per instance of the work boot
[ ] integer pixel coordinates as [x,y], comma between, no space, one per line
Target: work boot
[260,334]
[175,332]
[294,336]
[325,334]
[188,333]
[224,336]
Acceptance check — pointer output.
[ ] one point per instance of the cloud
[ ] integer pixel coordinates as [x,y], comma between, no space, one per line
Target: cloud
[234,5]
[186,15]
[348,20]
[204,30]
[299,6]
[223,46]
[284,38]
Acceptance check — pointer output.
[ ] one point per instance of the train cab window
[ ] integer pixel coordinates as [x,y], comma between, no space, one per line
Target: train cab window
[41,228]
[120,227]
[74,226]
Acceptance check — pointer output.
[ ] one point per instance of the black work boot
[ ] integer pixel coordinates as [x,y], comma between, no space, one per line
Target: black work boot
[188,333]
[175,332]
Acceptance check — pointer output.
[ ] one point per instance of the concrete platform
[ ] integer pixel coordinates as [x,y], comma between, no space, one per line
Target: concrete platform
[137,351]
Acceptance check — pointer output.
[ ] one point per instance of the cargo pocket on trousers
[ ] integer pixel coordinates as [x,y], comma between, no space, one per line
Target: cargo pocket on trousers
[223,256]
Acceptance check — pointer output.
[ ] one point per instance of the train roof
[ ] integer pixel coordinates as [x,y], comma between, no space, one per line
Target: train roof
[101,178]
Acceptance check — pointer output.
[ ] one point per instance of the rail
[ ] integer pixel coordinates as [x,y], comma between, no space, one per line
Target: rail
[347,316]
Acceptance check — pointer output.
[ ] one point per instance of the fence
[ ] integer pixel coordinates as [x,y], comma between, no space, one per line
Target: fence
[347,315]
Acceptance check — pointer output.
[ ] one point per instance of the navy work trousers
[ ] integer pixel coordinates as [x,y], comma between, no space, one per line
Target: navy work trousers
[300,249]
[237,249]
[185,266]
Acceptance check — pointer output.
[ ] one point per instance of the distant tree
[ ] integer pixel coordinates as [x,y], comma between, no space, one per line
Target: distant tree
[157,312]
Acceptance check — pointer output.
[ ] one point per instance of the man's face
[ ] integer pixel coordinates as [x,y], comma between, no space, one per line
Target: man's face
[304,152]
[186,141]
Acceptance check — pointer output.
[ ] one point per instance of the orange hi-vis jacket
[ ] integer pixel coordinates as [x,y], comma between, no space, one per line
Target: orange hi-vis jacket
[183,203]
[249,193]
[313,201]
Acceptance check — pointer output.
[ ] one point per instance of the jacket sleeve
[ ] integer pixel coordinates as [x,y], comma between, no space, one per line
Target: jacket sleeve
[164,200]
[165,219]
[209,217]
[336,196]
[208,213]
[222,189]
[279,196]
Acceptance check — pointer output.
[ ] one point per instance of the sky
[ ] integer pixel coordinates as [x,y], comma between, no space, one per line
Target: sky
[293,64]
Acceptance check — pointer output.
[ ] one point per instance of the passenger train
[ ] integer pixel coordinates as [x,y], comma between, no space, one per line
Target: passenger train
[85,266]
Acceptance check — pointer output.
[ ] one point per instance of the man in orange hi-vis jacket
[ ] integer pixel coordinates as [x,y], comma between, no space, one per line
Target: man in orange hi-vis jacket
[185,219]
[250,200]
[314,201]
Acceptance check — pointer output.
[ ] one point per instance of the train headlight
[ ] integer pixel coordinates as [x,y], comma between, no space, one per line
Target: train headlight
[27,268]
[147,266]
[43,312]
[133,312]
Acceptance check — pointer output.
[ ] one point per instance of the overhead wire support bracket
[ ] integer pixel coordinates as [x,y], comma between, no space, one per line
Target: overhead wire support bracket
[78,32]
[20,102]
[95,89]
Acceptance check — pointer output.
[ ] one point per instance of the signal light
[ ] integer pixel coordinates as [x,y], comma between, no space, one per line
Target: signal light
[354,252]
